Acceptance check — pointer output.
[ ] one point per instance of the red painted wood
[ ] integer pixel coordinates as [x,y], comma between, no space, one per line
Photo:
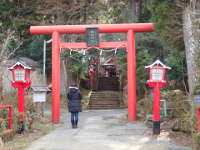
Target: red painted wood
[55,77]
[21,103]
[154,84]
[5,119]
[103,28]
[21,84]
[80,45]
[9,119]
[131,75]
[156,103]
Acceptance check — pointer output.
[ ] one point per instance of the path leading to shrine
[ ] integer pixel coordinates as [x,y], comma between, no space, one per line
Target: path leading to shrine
[102,130]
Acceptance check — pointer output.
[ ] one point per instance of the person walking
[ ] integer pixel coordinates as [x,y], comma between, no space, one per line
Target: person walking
[74,104]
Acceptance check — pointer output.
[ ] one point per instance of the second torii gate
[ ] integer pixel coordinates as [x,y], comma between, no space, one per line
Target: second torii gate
[57,45]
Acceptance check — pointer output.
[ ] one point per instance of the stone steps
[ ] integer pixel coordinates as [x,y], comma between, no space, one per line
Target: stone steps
[102,97]
[108,83]
[104,106]
[104,100]
[104,103]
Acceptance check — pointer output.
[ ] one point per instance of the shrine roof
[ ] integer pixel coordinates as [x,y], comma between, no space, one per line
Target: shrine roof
[19,63]
[156,63]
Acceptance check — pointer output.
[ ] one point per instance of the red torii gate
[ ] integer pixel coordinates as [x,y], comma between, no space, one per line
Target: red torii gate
[56,30]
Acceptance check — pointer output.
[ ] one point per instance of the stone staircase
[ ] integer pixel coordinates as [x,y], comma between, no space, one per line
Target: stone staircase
[104,100]
[108,83]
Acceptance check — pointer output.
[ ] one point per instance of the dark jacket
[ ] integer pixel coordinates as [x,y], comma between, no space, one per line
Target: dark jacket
[74,100]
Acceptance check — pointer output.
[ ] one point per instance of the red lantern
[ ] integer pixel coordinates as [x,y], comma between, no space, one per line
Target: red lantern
[20,75]
[157,72]
[20,79]
[157,80]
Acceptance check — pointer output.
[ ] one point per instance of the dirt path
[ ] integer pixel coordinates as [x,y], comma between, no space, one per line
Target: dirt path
[102,130]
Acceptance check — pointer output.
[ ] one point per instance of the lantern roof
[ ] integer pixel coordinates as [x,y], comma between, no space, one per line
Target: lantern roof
[157,63]
[20,63]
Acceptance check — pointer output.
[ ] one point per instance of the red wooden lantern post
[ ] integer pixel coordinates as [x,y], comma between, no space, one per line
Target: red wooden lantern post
[20,80]
[156,80]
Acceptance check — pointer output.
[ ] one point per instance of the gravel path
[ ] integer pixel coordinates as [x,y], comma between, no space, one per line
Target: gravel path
[102,130]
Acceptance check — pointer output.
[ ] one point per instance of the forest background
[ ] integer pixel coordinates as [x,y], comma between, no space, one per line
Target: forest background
[175,40]
[167,43]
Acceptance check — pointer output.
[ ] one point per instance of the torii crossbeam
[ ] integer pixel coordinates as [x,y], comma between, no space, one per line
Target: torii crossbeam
[56,30]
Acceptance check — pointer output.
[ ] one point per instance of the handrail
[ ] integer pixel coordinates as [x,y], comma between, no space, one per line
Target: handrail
[9,119]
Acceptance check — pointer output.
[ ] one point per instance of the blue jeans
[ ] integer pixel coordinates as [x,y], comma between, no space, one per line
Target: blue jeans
[74,116]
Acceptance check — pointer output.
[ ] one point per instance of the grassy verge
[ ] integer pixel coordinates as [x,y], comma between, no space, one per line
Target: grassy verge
[20,142]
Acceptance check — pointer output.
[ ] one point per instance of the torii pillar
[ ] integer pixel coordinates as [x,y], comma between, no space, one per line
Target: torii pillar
[56,30]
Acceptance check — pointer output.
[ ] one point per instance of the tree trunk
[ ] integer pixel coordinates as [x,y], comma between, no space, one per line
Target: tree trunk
[192,48]
[135,9]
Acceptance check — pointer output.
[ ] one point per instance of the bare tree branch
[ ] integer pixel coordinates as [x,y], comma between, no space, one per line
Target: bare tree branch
[5,51]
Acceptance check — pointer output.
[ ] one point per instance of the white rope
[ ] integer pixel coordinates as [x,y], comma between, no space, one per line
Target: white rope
[115,51]
[101,52]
